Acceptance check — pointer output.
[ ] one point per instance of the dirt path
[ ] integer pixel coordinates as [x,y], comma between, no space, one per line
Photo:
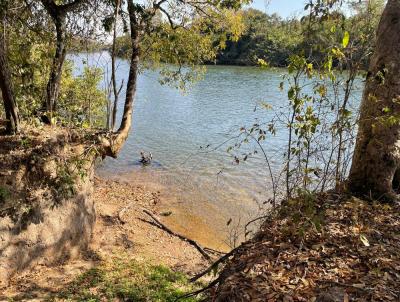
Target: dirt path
[120,229]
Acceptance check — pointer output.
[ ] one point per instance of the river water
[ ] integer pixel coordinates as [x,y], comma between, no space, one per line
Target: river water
[183,131]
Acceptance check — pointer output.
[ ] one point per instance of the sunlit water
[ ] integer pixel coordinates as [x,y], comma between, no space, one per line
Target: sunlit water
[177,127]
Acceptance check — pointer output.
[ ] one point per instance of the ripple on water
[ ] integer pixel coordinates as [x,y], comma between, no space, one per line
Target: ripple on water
[173,126]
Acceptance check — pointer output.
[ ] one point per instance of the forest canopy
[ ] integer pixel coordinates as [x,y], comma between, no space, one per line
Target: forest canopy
[273,39]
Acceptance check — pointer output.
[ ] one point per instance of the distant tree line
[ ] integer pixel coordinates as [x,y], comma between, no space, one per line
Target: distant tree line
[266,37]
[274,39]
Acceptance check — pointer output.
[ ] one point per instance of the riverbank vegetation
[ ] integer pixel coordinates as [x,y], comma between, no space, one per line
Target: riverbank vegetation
[273,39]
[347,238]
[129,280]
[317,247]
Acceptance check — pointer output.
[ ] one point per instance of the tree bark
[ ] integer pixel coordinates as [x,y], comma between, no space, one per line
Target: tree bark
[114,145]
[377,153]
[58,14]
[53,85]
[10,106]
[113,68]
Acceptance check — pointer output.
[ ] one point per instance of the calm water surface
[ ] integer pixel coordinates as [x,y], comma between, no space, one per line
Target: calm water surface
[174,126]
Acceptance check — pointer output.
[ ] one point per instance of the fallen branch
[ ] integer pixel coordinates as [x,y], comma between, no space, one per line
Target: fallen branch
[198,292]
[345,285]
[122,212]
[212,251]
[215,264]
[162,226]
[254,220]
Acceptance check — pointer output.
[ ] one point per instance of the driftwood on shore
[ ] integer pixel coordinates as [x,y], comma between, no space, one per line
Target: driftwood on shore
[156,222]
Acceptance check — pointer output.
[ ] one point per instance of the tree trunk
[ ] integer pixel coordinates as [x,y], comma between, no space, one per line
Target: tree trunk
[58,14]
[10,107]
[377,154]
[114,145]
[113,67]
[53,85]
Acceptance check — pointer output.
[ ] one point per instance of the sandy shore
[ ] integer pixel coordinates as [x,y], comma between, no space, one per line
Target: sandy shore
[121,229]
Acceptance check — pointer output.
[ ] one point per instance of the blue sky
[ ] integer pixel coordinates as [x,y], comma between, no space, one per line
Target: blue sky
[284,8]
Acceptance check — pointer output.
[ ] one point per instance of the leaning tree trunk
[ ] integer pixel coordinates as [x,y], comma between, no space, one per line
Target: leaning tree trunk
[113,146]
[10,107]
[377,154]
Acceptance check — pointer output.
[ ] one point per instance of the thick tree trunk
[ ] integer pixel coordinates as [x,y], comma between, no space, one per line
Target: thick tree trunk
[377,154]
[10,107]
[114,145]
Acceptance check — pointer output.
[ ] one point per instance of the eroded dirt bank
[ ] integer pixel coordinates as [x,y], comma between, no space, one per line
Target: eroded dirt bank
[46,213]
[120,230]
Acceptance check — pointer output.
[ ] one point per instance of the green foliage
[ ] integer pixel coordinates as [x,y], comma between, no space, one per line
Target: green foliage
[86,45]
[129,280]
[81,102]
[179,48]
[30,51]
[69,173]
[26,142]
[64,184]
[30,56]
[305,213]
[318,116]
[346,39]
[274,39]
[265,37]
[178,53]
[4,194]
[389,117]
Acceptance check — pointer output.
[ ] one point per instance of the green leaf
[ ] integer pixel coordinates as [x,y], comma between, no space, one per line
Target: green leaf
[262,63]
[346,39]
[329,63]
[291,93]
